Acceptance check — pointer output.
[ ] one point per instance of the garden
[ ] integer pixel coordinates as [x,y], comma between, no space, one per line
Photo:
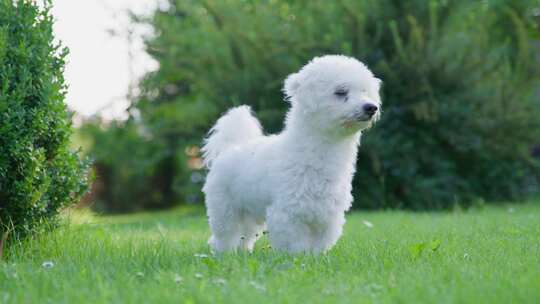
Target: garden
[446,191]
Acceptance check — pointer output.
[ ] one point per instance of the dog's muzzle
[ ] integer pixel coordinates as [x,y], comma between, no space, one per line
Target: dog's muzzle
[368,111]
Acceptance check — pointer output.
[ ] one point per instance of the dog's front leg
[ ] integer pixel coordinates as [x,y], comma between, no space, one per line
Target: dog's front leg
[288,232]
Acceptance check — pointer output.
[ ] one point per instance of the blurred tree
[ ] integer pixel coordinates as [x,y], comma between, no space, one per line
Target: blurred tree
[460,115]
[124,167]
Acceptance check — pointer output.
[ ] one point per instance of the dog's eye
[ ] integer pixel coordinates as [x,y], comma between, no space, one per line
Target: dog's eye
[341,92]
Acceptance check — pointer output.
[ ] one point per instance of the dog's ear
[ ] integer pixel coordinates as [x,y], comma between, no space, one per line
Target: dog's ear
[378,82]
[292,83]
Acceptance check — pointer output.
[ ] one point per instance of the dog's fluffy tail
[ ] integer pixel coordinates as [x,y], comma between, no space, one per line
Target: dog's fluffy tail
[235,127]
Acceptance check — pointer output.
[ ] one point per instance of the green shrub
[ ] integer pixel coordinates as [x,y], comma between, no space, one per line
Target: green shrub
[38,173]
[460,115]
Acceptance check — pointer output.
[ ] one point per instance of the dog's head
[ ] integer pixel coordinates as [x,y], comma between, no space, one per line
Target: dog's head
[336,92]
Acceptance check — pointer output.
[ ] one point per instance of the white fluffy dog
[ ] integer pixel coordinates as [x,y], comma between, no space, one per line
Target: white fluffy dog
[296,184]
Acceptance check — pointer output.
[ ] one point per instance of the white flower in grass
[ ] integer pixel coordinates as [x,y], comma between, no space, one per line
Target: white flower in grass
[328,291]
[47,264]
[220,281]
[257,286]
[367,223]
[200,255]
[198,276]
[373,288]
[161,229]
[178,279]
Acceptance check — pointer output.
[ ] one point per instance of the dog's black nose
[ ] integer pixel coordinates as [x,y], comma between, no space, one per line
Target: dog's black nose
[370,109]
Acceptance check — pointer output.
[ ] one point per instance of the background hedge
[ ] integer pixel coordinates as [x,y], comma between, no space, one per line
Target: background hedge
[460,109]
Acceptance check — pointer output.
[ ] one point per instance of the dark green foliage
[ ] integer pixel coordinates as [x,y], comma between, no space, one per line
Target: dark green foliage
[127,168]
[460,115]
[38,173]
[134,171]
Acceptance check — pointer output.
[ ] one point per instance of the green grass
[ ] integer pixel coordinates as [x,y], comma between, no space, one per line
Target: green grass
[489,255]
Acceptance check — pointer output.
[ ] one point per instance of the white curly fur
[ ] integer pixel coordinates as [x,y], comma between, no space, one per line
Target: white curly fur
[296,184]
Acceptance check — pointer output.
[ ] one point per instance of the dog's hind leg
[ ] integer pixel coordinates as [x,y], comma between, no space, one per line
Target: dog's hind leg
[226,237]
[224,222]
[251,230]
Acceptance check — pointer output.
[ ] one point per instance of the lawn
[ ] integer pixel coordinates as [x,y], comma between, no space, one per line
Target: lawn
[483,255]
